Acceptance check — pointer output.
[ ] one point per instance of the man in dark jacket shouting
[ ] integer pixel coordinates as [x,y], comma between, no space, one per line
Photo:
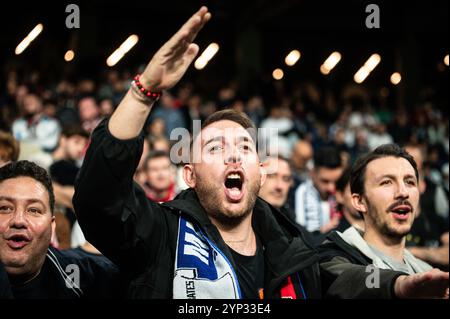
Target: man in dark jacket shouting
[215,240]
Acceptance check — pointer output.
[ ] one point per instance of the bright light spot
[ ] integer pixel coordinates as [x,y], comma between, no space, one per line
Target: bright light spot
[206,56]
[69,55]
[292,57]
[120,52]
[396,78]
[278,74]
[29,38]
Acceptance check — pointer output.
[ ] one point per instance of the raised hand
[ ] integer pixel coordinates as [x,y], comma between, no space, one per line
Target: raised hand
[171,61]
[165,69]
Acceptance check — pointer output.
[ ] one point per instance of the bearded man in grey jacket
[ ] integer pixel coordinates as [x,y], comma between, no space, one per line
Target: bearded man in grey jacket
[384,187]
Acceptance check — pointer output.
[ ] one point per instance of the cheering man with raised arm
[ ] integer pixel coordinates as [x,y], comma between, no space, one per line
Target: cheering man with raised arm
[217,239]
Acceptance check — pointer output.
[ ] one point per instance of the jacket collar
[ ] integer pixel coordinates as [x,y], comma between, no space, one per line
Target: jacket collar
[286,250]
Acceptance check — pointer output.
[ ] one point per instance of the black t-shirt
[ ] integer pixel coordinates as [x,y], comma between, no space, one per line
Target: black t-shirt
[41,287]
[250,272]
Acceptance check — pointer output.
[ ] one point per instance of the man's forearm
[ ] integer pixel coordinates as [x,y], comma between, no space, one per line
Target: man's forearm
[129,118]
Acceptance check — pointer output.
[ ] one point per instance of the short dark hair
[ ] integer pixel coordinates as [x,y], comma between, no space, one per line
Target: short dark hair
[327,157]
[357,176]
[29,169]
[155,154]
[231,115]
[74,130]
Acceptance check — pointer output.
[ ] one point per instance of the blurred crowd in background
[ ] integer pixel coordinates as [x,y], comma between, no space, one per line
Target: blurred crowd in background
[320,134]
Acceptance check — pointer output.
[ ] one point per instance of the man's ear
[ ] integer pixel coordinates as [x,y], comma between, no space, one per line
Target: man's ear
[359,203]
[263,173]
[188,175]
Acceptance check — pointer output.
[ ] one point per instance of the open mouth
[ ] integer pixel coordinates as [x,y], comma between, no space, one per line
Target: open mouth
[401,212]
[234,182]
[17,241]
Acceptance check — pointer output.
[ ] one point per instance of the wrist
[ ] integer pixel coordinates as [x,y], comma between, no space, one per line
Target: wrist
[398,286]
[148,83]
[143,93]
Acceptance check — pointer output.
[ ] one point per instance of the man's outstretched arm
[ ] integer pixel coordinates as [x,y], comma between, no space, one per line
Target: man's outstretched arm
[165,69]
[114,214]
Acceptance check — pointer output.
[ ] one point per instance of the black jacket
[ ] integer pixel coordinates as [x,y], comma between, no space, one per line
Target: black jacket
[5,289]
[344,272]
[140,236]
[92,277]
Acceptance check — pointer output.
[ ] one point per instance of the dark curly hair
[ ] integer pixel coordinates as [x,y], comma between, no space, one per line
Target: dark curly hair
[29,169]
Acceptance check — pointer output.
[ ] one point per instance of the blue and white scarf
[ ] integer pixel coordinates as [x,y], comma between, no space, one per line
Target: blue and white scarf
[201,270]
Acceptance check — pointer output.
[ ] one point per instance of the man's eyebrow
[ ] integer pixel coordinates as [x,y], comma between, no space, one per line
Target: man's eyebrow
[393,176]
[385,176]
[7,198]
[244,139]
[28,200]
[214,139]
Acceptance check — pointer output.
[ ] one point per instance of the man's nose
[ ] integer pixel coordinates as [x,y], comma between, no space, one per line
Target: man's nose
[233,156]
[401,191]
[331,188]
[18,220]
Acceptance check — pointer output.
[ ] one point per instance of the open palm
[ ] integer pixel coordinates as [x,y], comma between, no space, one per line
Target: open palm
[171,61]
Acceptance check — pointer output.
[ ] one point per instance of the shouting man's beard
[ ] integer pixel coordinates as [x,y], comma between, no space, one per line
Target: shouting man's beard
[211,197]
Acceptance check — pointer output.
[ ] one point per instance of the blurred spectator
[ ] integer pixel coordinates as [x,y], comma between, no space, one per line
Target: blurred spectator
[315,206]
[157,127]
[255,109]
[278,181]
[276,188]
[159,143]
[169,113]
[430,227]
[67,156]
[9,148]
[301,161]
[34,128]
[350,216]
[89,113]
[160,177]
[360,147]
[378,136]
[106,107]
[67,159]
[400,129]
[301,157]
[274,127]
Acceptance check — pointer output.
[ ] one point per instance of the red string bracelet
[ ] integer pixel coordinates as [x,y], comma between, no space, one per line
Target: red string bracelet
[146,92]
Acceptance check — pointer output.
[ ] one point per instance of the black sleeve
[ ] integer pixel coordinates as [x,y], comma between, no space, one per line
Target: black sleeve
[344,280]
[5,288]
[113,211]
